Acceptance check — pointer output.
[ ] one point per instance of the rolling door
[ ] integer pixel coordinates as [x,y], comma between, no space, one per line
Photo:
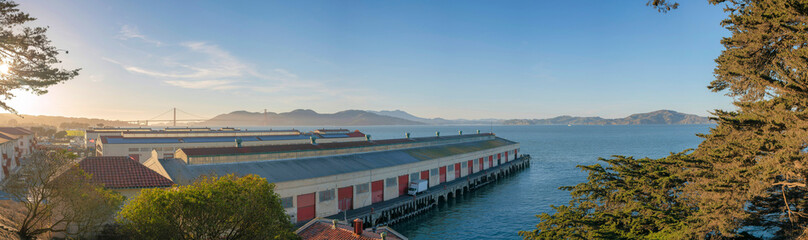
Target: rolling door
[345,196]
[470,167]
[506,156]
[443,174]
[490,161]
[457,170]
[305,207]
[425,175]
[481,164]
[377,188]
[403,184]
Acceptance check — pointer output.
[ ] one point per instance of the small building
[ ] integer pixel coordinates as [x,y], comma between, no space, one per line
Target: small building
[123,175]
[15,144]
[327,229]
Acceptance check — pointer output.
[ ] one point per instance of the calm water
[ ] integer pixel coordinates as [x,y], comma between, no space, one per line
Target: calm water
[500,210]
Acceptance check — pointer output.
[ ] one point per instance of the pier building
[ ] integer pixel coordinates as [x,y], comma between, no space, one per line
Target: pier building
[139,143]
[318,179]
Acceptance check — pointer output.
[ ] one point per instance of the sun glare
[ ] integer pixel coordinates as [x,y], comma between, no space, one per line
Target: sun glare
[3,69]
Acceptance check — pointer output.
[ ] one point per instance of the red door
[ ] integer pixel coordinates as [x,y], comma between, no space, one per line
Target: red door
[470,167]
[481,164]
[457,170]
[345,196]
[499,156]
[491,161]
[506,156]
[443,174]
[515,153]
[425,175]
[377,188]
[305,207]
[403,184]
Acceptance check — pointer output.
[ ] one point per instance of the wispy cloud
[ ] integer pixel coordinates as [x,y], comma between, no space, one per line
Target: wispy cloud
[131,32]
[200,65]
[205,84]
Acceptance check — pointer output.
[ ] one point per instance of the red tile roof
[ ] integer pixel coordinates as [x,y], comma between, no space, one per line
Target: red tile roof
[306,147]
[321,229]
[356,134]
[122,172]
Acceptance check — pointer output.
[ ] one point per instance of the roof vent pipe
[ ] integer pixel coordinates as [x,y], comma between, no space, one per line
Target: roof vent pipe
[334,224]
[437,134]
[357,226]
[407,134]
[367,137]
[238,142]
[460,132]
[313,140]
[383,235]
[478,131]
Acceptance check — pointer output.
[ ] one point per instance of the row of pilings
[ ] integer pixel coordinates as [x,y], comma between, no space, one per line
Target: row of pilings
[454,189]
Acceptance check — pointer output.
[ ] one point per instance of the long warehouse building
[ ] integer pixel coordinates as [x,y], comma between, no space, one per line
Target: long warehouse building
[138,145]
[322,179]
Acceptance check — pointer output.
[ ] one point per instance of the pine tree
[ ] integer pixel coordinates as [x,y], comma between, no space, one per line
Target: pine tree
[27,58]
[749,174]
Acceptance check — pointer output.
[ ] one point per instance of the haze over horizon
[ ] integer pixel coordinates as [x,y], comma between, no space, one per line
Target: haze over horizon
[521,60]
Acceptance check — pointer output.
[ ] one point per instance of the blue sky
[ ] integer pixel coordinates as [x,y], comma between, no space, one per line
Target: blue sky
[451,59]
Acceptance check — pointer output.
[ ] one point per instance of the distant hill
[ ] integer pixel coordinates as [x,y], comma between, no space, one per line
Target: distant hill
[433,121]
[656,117]
[8,119]
[304,117]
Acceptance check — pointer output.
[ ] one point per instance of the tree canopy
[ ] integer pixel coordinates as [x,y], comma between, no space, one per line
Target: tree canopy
[27,58]
[57,197]
[747,179]
[226,207]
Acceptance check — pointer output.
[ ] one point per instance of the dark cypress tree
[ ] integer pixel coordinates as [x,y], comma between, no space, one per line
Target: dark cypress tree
[749,174]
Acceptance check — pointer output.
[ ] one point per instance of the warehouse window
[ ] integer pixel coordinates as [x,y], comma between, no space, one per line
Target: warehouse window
[464,164]
[326,195]
[434,172]
[134,149]
[450,168]
[414,177]
[287,202]
[392,182]
[362,188]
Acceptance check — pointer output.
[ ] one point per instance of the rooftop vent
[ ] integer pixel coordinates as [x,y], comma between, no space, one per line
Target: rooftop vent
[357,226]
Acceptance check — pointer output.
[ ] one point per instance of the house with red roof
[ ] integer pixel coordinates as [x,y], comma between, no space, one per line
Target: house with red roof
[123,174]
[327,229]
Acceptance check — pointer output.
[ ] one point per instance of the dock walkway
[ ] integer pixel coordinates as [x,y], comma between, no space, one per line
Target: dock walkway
[404,207]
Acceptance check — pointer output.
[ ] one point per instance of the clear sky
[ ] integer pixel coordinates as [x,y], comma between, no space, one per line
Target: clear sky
[451,59]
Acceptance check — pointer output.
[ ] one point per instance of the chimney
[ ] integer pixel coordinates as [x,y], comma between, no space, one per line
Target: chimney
[357,226]
[383,235]
[334,224]
[407,134]
[478,131]
[437,134]
[238,142]
[313,140]
[460,132]
[367,137]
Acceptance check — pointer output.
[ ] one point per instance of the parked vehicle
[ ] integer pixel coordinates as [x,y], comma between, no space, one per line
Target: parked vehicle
[417,186]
